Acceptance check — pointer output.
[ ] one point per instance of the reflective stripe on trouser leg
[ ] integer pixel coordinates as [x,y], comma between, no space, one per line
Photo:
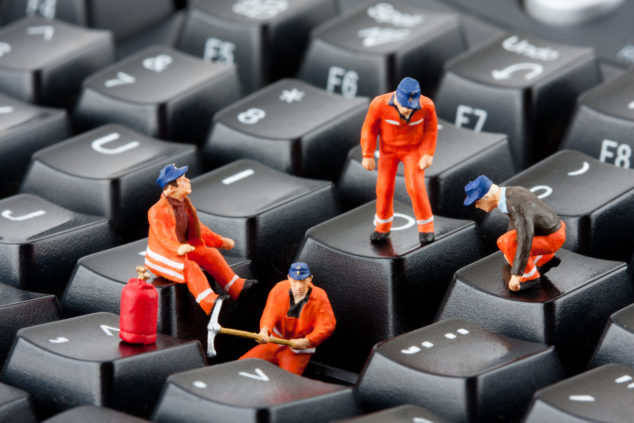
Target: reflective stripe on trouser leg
[415,184]
[388,164]
[199,286]
[215,264]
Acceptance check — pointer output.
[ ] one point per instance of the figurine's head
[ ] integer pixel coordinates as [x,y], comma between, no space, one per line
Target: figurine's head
[174,182]
[484,193]
[299,276]
[408,93]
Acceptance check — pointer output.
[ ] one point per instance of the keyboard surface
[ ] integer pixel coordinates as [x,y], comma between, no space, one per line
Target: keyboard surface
[264,100]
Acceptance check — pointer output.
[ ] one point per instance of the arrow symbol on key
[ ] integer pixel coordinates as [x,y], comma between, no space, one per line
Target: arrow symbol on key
[258,376]
[534,68]
[46,30]
[106,329]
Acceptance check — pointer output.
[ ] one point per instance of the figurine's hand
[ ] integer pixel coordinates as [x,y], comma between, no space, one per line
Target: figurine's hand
[300,343]
[264,336]
[368,163]
[425,161]
[514,283]
[227,243]
[184,249]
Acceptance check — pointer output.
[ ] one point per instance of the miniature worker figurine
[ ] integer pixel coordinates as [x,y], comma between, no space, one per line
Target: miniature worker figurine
[298,311]
[179,244]
[535,232]
[407,125]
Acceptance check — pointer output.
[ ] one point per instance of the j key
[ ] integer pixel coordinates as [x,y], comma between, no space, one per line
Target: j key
[367,52]
[458,370]
[461,155]
[82,361]
[518,85]
[291,126]
[554,312]
[160,92]
[617,343]
[93,414]
[109,171]
[44,61]
[401,414]
[265,212]
[122,17]
[598,395]
[99,278]
[20,309]
[594,199]
[251,390]
[15,405]
[264,38]
[381,291]
[24,129]
[40,242]
[604,122]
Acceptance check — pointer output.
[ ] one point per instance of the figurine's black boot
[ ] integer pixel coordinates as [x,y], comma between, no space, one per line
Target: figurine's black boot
[529,284]
[248,284]
[554,262]
[426,237]
[379,237]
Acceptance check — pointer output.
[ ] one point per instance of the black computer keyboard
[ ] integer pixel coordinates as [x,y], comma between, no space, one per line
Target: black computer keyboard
[264,101]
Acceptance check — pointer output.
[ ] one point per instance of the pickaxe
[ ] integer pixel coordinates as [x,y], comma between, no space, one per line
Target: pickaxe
[214,328]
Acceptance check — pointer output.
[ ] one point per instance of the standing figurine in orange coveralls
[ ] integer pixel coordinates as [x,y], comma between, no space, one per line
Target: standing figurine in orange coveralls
[407,125]
[298,311]
[179,244]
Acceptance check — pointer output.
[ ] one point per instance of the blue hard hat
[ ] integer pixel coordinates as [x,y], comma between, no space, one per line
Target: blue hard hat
[170,173]
[299,271]
[477,189]
[408,93]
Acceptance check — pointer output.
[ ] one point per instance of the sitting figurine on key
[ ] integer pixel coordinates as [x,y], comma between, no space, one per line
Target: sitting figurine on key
[179,244]
[298,311]
[407,126]
[535,232]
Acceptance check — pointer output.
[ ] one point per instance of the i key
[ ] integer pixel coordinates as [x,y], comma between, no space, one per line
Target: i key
[251,391]
[109,171]
[159,92]
[93,414]
[390,288]
[400,414]
[15,405]
[265,38]
[518,85]
[43,61]
[24,129]
[554,312]
[603,394]
[291,126]
[494,374]
[461,155]
[617,342]
[604,122]
[367,52]
[82,361]
[40,242]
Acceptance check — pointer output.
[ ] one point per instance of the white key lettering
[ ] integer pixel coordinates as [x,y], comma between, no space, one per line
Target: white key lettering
[622,156]
[450,336]
[626,53]
[535,70]
[258,376]
[420,420]
[338,76]
[411,350]
[58,340]
[584,168]
[121,79]
[238,176]
[8,214]
[218,51]
[581,398]
[6,109]
[385,13]
[260,9]
[631,105]
[199,384]
[462,120]
[409,222]
[547,191]
[251,116]
[157,64]
[5,48]
[107,329]
[427,344]
[47,31]
[290,96]
[376,36]
[513,44]
[623,379]
[98,145]
[44,8]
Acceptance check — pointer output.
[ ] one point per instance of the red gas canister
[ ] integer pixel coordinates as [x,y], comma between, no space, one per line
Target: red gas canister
[139,310]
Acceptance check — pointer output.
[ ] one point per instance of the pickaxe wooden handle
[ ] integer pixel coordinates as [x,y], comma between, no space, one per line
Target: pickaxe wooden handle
[253,335]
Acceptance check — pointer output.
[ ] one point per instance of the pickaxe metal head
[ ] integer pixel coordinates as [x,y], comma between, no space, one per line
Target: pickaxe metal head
[213,327]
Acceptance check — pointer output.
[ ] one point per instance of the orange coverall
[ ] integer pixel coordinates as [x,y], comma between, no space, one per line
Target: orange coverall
[402,140]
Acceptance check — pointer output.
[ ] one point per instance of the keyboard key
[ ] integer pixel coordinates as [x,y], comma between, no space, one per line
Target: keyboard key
[94,415]
[251,390]
[291,126]
[378,292]
[604,121]
[401,414]
[518,85]
[367,52]
[461,155]
[109,171]
[554,312]
[494,375]
[24,129]
[159,92]
[40,242]
[592,198]
[82,361]
[617,342]
[264,38]
[15,405]
[603,394]
[43,61]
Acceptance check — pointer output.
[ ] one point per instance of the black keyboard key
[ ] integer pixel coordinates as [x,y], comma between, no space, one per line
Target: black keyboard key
[604,121]
[159,92]
[367,52]
[598,395]
[40,242]
[264,38]
[461,155]
[93,414]
[554,312]
[594,199]
[44,61]
[82,361]
[378,292]
[617,342]
[15,405]
[518,85]
[24,129]
[109,171]
[401,414]
[459,371]
[291,126]
[251,390]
